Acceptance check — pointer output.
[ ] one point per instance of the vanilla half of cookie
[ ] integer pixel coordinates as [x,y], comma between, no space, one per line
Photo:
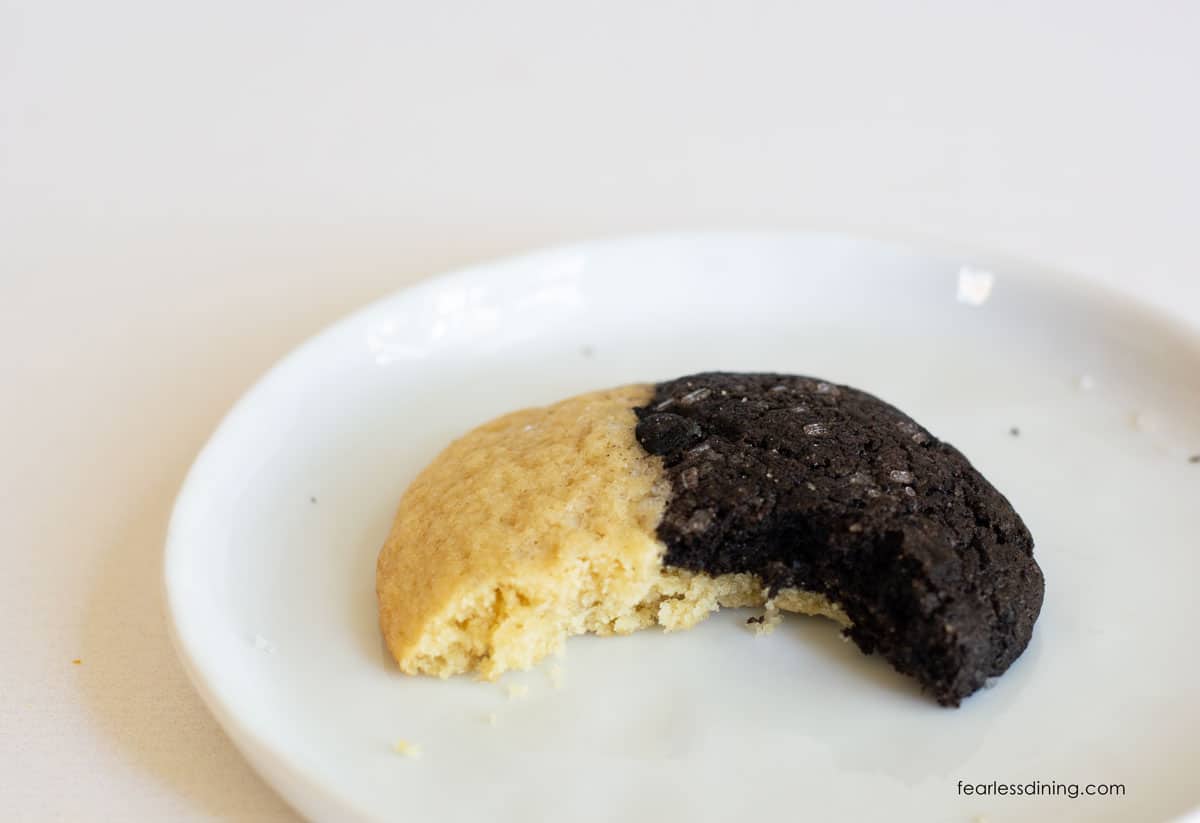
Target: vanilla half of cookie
[658,504]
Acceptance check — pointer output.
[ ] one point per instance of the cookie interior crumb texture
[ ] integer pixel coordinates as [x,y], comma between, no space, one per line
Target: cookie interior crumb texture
[537,526]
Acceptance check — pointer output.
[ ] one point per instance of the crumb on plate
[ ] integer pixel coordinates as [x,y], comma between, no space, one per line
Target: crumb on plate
[1143,421]
[406,749]
[974,286]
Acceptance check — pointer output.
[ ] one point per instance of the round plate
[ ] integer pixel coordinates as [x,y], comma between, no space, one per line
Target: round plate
[1079,406]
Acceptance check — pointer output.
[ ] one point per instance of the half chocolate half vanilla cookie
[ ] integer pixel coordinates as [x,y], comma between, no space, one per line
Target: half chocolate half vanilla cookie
[657,504]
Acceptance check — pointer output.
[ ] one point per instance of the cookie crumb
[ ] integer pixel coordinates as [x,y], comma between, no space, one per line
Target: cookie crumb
[766,623]
[77,662]
[1015,431]
[312,500]
[407,749]
[1195,458]
[1143,421]
[974,286]
[556,675]
[491,718]
[516,691]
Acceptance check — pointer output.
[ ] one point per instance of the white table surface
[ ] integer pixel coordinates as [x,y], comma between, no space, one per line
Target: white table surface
[188,192]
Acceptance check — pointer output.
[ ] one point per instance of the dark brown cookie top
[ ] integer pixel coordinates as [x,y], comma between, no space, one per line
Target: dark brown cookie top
[823,487]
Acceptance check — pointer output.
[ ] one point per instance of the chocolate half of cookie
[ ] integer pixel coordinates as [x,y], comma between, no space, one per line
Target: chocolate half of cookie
[823,488]
[657,504]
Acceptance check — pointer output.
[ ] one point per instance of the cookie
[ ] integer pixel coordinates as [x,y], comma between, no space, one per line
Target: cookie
[657,504]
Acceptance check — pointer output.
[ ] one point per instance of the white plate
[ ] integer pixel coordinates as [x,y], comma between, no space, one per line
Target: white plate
[271,554]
